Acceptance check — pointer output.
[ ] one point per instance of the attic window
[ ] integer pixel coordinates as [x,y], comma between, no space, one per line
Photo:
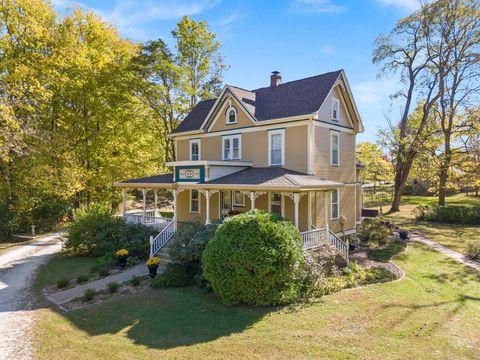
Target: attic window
[231,115]
[335,109]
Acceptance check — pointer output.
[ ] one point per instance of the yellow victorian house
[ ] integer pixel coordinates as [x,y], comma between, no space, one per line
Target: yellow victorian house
[287,148]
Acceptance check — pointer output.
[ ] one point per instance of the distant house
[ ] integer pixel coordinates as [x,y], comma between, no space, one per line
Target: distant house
[288,148]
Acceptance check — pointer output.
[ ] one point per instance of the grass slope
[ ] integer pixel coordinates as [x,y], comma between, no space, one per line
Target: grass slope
[434,313]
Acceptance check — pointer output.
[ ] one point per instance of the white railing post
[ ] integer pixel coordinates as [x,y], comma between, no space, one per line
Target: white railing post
[151,246]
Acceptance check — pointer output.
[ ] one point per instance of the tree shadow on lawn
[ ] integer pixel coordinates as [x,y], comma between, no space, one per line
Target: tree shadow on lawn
[167,318]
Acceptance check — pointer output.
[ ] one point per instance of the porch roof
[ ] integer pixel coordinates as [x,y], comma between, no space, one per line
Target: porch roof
[252,179]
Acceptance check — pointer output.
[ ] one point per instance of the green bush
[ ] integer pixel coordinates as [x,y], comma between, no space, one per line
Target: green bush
[97,232]
[136,280]
[46,213]
[255,258]
[473,250]
[449,214]
[374,232]
[8,221]
[113,287]
[186,256]
[88,295]
[63,283]
[82,278]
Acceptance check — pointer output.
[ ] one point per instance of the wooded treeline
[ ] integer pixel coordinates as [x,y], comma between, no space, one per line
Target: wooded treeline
[81,107]
[435,55]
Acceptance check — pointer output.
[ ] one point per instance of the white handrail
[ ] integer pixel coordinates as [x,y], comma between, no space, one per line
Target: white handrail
[318,237]
[339,244]
[162,238]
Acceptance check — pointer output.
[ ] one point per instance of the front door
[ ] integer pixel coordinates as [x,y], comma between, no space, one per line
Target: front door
[225,203]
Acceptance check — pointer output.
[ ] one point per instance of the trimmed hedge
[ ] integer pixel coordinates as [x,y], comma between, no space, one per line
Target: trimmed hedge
[255,258]
[449,214]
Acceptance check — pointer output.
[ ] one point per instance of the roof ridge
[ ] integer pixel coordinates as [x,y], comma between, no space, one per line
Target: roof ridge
[293,81]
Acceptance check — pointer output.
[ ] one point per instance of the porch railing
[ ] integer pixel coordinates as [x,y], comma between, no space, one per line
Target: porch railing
[318,237]
[148,219]
[157,242]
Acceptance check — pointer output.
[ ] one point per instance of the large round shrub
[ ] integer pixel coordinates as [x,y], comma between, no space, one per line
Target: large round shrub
[255,258]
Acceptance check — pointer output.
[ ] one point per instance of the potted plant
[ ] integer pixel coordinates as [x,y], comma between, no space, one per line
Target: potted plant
[122,256]
[403,234]
[152,264]
[352,245]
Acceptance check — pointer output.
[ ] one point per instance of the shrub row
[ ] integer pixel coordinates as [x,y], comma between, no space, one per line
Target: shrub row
[449,214]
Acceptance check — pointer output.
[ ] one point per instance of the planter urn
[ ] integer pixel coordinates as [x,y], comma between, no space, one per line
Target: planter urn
[122,261]
[152,270]
[403,234]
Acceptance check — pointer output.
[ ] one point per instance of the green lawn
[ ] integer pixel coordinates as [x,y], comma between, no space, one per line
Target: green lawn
[62,266]
[433,313]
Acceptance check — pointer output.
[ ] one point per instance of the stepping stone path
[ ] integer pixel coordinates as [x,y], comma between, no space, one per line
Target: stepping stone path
[452,254]
[63,297]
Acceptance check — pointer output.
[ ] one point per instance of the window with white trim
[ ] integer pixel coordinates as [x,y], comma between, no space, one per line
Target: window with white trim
[276,147]
[335,204]
[334,148]
[194,201]
[276,203]
[238,199]
[231,147]
[335,109]
[195,149]
[231,115]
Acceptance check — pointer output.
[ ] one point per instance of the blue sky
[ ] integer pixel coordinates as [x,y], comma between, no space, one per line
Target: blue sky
[299,38]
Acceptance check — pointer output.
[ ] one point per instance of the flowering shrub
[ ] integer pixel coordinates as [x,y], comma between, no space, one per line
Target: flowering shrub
[121,252]
[154,261]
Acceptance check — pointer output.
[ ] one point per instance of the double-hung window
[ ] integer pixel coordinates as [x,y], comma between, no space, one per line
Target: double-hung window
[276,203]
[194,201]
[238,199]
[276,147]
[334,148]
[232,147]
[335,204]
[195,149]
[335,109]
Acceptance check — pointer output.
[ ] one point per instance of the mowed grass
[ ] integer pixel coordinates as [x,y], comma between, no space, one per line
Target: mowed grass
[433,313]
[62,266]
[456,237]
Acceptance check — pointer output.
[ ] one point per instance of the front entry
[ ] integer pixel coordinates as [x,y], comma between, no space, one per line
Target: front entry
[225,203]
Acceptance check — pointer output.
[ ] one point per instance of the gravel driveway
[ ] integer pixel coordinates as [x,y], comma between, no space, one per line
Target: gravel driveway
[17,269]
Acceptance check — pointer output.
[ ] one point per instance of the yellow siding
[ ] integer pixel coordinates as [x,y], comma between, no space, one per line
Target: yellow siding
[325,113]
[219,121]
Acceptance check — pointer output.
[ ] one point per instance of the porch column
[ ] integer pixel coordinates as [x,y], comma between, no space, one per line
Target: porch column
[296,200]
[207,207]
[174,192]
[124,202]
[155,206]
[252,200]
[144,192]
[326,208]
[309,199]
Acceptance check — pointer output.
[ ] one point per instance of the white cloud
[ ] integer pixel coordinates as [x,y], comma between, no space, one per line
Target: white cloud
[328,50]
[230,19]
[316,6]
[407,4]
[374,92]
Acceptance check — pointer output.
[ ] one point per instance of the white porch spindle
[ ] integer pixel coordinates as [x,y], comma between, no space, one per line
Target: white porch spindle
[144,191]
[124,202]
[296,200]
[252,200]
[207,207]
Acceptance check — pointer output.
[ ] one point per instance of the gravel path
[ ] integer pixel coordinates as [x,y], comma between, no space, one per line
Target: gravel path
[17,269]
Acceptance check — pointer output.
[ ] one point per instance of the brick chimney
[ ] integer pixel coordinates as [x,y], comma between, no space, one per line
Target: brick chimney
[275,79]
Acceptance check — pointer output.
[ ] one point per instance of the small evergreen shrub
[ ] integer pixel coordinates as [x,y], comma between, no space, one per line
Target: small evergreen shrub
[374,232]
[449,214]
[255,258]
[473,250]
[136,281]
[63,283]
[174,275]
[82,278]
[113,287]
[89,295]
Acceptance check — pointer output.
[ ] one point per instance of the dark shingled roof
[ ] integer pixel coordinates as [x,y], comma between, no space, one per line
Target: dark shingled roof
[299,97]
[272,176]
[156,179]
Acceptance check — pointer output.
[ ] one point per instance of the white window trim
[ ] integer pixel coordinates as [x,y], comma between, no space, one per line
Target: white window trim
[194,212]
[196,141]
[227,117]
[332,134]
[276,132]
[338,205]
[335,100]
[282,197]
[235,204]
[230,138]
